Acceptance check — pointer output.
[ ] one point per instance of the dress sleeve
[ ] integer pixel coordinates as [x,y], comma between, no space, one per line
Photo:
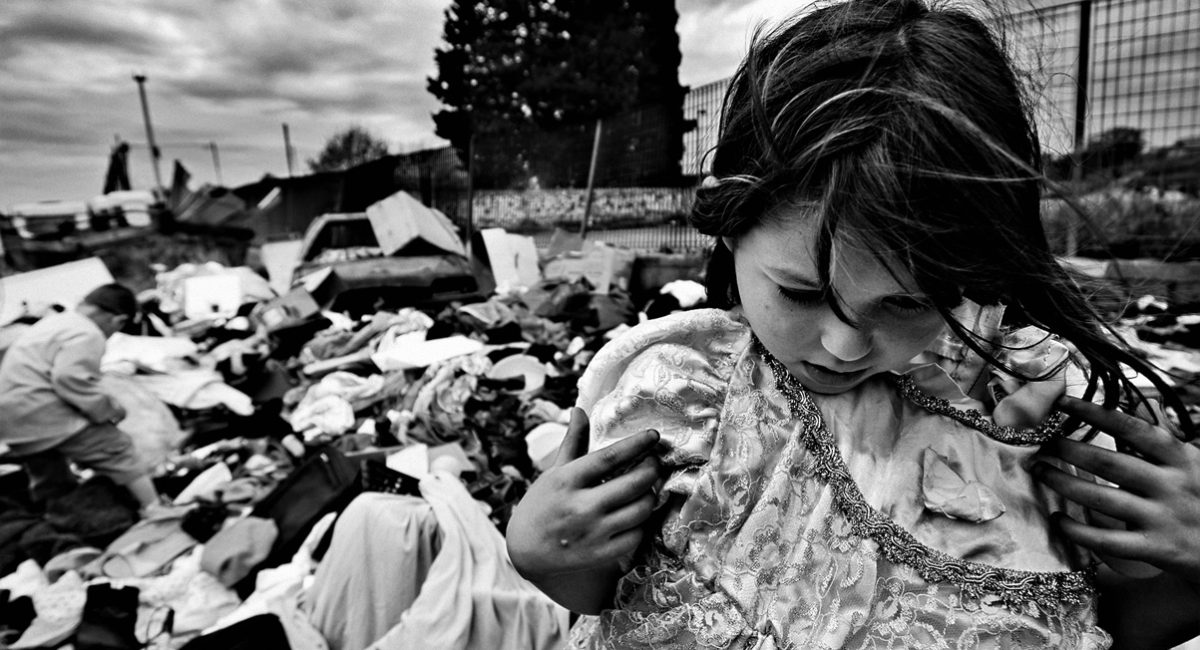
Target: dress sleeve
[75,376]
[670,375]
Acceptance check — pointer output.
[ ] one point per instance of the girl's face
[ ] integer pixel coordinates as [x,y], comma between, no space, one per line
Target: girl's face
[778,280]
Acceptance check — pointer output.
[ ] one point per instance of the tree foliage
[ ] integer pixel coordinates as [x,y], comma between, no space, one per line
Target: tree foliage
[525,81]
[1109,153]
[348,148]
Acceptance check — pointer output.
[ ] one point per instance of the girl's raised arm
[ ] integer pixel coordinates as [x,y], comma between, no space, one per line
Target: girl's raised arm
[583,517]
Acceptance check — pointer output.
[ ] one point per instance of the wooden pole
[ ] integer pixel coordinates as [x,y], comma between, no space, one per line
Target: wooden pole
[212,146]
[287,148]
[154,153]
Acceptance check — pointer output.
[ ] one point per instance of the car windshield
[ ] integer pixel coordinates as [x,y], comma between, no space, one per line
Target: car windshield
[351,233]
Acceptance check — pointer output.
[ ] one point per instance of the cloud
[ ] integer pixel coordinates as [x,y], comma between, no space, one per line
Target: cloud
[229,71]
[232,71]
[715,34]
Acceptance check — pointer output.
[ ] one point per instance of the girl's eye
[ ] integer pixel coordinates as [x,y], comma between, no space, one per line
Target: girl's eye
[802,296]
[906,304]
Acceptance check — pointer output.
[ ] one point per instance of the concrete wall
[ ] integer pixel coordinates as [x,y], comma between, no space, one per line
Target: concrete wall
[513,209]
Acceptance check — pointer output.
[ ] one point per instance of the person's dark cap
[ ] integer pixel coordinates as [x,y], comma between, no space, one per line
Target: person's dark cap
[114,299]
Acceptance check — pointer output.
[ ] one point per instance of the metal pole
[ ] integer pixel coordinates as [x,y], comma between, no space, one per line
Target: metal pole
[154,153]
[471,186]
[587,207]
[1081,101]
[216,162]
[287,147]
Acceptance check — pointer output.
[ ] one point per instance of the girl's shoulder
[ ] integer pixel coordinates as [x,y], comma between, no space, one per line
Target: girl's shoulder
[1035,368]
[700,341]
[670,374]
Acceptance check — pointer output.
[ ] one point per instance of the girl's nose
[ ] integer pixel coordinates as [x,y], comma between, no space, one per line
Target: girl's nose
[844,341]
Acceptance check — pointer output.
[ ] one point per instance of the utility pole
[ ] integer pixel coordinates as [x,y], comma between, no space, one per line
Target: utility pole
[287,148]
[591,186]
[154,153]
[212,146]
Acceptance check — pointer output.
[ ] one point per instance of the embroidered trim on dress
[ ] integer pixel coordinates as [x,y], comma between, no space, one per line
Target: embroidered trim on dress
[1047,430]
[1013,586]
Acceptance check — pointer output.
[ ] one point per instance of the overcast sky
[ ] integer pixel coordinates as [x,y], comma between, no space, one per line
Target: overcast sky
[233,71]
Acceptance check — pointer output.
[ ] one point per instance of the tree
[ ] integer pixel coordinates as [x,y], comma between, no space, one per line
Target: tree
[524,82]
[1113,149]
[348,148]
[1108,154]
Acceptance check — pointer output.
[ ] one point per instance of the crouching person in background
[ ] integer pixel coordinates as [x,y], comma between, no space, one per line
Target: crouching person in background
[52,410]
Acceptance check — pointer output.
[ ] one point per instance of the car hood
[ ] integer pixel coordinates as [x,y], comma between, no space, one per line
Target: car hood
[407,271]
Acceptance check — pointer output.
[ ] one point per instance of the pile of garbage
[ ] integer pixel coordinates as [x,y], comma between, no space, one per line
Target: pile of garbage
[1168,336]
[269,417]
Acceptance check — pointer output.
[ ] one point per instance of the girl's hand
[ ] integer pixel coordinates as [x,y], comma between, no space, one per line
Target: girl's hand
[586,512]
[1157,499]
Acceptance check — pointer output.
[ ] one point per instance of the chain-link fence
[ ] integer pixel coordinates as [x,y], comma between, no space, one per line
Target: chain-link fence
[1117,90]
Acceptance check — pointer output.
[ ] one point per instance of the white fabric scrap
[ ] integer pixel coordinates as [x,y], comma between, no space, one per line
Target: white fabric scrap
[407,352]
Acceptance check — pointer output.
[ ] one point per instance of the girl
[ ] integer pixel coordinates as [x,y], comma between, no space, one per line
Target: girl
[846,448]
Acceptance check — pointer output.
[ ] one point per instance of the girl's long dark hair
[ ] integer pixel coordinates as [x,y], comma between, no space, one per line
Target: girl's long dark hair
[904,128]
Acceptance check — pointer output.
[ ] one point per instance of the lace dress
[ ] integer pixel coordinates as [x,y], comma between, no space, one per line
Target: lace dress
[795,520]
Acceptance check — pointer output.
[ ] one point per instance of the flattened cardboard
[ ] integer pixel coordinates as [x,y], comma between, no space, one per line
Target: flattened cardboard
[63,284]
[513,258]
[281,258]
[400,221]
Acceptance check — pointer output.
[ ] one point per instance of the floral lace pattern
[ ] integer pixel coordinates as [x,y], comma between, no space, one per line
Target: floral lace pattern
[757,548]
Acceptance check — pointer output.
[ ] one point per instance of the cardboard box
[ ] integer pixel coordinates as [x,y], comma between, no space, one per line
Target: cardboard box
[293,307]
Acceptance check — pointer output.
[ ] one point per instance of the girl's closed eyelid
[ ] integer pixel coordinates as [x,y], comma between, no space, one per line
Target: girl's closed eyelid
[802,296]
[908,303]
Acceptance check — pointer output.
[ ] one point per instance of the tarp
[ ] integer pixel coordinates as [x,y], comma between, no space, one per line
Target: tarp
[402,222]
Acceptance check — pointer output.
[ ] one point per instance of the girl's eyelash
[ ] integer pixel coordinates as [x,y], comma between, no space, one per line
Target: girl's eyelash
[908,305]
[802,296]
[900,304]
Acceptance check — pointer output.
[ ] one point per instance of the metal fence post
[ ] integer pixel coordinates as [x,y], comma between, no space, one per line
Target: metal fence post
[1081,100]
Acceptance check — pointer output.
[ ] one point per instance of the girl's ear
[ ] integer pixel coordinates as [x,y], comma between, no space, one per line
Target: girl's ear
[728,243]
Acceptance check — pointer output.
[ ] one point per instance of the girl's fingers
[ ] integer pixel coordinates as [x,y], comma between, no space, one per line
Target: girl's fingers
[1155,443]
[1115,543]
[632,515]
[575,443]
[1110,501]
[1129,472]
[601,464]
[620,546]
[627,487]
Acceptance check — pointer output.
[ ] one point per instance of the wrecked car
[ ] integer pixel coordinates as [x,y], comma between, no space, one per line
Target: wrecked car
[398,253]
